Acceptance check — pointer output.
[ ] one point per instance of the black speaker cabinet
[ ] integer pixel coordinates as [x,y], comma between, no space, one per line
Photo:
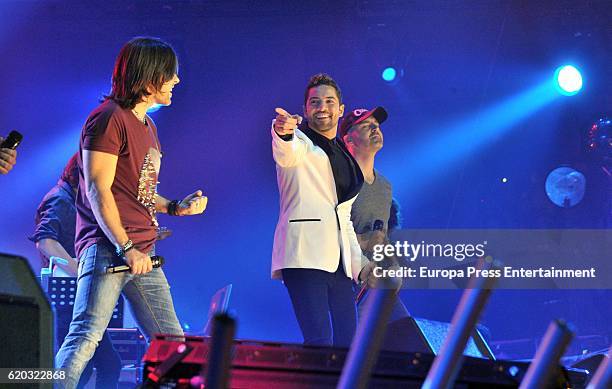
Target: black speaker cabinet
[421,335]
[26,324]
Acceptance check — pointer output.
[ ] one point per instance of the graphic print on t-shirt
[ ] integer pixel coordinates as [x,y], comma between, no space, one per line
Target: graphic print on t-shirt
[147,182]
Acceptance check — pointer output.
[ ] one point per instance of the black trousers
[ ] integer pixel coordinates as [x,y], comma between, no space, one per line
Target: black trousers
[318,296]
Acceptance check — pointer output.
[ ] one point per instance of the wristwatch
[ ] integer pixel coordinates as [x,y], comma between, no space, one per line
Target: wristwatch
[121,250]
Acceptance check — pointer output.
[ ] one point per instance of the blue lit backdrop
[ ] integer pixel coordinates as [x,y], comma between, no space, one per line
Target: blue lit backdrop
[474,105]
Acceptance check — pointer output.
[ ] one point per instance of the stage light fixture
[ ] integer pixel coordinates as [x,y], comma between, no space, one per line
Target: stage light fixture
[568,80]
[389,74]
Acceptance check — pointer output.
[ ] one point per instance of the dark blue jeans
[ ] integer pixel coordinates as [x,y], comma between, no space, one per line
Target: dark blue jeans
[316,295]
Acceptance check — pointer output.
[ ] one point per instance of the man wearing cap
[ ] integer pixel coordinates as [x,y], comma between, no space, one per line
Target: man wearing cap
[370,214]
[316,251]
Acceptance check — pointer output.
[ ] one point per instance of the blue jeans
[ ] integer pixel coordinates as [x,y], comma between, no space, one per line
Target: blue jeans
[107,364]
[97,293]
[315,294]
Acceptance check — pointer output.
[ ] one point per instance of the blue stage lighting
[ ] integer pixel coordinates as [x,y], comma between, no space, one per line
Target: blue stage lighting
[389,74]
[569,80]
[154,108]
[447,143]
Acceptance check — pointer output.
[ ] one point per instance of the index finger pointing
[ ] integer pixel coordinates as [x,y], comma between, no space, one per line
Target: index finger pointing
[281,111]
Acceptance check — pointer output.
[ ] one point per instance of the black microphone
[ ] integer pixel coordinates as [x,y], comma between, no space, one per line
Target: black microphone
[156,260]
[12,141]
[378,225]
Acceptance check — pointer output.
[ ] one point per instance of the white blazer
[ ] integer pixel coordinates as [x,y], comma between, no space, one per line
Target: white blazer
[312,227]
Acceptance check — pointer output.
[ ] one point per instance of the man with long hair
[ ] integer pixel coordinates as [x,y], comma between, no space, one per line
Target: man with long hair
[117,202]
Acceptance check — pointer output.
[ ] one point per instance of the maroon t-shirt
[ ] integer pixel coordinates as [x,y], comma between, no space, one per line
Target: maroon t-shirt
[114,130]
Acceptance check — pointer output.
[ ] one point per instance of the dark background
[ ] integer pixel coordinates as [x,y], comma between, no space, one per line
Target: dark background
[473,106]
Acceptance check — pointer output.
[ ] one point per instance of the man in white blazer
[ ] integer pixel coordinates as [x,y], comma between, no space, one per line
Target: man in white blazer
[316,251]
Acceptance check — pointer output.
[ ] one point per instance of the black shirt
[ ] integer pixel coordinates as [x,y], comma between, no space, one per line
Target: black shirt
[347,174]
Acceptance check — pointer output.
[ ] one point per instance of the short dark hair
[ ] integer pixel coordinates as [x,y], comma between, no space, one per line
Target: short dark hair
[322,79]
[70,174]
[142,62]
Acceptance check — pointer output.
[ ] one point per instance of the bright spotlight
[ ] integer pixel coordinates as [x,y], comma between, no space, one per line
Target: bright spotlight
[569,80]
[389,74]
